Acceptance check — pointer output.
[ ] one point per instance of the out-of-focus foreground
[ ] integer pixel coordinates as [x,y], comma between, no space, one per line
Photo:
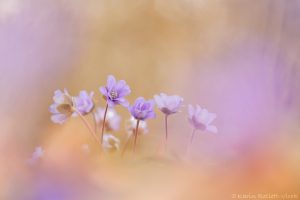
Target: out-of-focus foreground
[240,59]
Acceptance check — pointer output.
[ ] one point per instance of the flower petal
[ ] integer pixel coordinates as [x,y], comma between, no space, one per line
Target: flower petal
[212,129]
[191,111]
[124,91]
[151,115]
[103,91]
[111,82]
[159,102]
[59,118]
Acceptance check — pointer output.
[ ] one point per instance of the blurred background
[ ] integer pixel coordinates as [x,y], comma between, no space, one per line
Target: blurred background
[239,59]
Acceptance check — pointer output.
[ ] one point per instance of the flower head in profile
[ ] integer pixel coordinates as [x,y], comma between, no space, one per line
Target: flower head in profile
[142,109]
[110,142]
[131,125]
[112,121]
[62,108]
[168,104]
[84,103]
[36,155]
[201,119]
[115,91]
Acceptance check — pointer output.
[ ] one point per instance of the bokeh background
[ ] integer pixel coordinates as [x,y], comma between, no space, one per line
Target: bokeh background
[239,59]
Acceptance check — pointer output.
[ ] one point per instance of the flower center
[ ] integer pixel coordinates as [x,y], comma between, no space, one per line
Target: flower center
[65,109]
[113,94]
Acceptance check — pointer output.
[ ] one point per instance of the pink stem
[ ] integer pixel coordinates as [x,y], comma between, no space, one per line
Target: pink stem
[103,125]
[136,135]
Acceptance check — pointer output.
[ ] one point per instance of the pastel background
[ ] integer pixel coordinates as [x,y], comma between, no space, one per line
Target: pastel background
[239,59]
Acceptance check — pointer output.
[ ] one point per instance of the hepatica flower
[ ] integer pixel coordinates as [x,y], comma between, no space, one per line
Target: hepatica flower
[115,91]
[65,106]
[112,122]
[168,105]
[62,108]
[84,103]
[141,110]
[201,119]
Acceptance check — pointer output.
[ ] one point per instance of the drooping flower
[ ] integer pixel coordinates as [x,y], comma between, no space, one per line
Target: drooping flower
[36,155]
[201,119]
[112,121]
[62,108]
[131,125]
[114,92]
[110,142]
[168,104]
[142,109]
[84,102]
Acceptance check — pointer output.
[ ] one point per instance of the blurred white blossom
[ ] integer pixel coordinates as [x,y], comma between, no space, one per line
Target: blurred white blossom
[131,125]
[110,142]
[112,121]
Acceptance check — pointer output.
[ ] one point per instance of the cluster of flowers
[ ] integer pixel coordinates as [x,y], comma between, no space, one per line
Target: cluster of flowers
[114,93]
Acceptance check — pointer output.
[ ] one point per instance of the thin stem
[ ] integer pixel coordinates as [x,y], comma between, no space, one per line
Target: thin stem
[136,134]
[191,141]
[126,145]
[103,125]
[87,124]
[166,127]
[192,136]
[95,122]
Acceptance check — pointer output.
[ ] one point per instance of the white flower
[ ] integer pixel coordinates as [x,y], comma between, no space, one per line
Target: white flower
[62,108]
[110,142]
[201,119]
[131,125]
[36,155]
[168,104]
[112,121]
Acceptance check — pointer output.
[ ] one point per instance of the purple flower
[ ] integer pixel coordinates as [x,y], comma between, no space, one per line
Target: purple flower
[201,119]
[36,155]
[112,121]
[62,108]
[142,109]
[114,92]
[168,104]
[84,102]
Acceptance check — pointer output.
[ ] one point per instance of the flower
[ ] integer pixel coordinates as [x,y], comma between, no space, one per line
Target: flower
[112,121]
[200,118]
[84,103]
[110,142]
[62,108]
[131,125]
[114,92]
[142,109]
[168,104]
[36,155]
